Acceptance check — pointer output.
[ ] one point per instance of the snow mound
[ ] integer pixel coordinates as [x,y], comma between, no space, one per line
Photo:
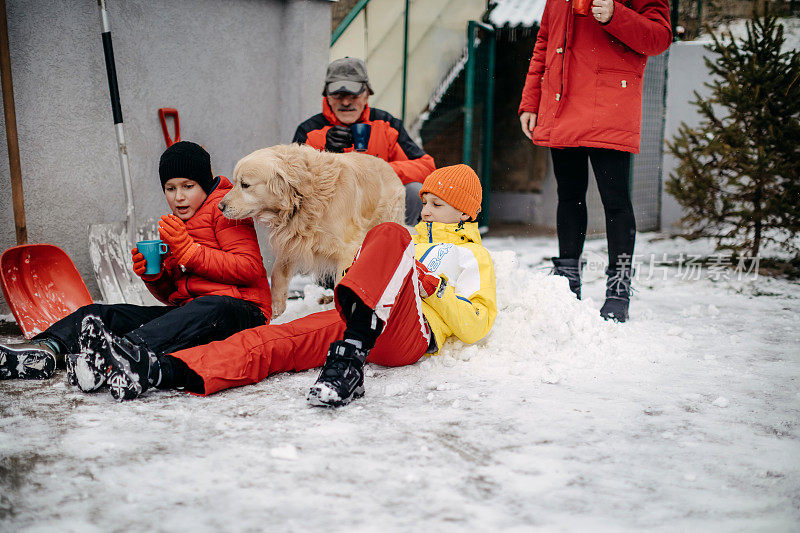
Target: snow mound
[540,327]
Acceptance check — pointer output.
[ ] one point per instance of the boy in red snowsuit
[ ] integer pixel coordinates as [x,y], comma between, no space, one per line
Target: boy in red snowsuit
[213,283]
[401,298]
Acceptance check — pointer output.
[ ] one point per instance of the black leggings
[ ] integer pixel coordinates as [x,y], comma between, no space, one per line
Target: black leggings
[612,171]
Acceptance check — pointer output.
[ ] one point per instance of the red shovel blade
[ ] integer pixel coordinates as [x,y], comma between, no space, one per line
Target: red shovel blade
[41,286]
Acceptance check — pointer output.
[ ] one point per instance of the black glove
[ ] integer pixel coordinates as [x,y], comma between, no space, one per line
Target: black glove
[337,139]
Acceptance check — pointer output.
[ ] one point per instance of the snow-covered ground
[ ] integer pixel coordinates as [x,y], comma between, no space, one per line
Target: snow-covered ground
[683,419]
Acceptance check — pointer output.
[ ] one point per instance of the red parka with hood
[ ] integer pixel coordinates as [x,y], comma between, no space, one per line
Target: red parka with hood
[388,140]
[585,78]
[228,262]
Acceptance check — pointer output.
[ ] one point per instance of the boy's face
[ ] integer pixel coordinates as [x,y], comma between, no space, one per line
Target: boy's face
[434,209]
[184,197]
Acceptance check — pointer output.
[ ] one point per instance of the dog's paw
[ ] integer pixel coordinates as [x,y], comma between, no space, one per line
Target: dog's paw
[278,307]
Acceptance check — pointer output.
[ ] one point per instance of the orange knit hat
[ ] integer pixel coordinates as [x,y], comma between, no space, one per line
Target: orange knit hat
[457,185]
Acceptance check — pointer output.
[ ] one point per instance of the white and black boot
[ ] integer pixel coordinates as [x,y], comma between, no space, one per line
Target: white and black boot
[129,369]
[342,378]
[618,294]
[28,360]
[89,368]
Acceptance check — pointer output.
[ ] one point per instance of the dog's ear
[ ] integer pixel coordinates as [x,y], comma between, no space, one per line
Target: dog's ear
[296,199]
[284,188]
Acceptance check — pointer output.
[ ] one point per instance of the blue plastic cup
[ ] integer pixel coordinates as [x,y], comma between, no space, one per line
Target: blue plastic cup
[361,133]
[153,251]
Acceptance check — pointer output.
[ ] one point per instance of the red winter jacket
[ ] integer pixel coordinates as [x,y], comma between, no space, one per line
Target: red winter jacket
[388,140]
[585,78]
[228,262]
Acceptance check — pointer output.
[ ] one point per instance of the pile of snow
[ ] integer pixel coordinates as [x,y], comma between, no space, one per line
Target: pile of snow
[540,327]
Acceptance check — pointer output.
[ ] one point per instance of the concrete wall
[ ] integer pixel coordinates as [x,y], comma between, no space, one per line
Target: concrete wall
[242,74]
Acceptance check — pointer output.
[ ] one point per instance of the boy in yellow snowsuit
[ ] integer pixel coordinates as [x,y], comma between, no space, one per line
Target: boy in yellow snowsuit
[449,246]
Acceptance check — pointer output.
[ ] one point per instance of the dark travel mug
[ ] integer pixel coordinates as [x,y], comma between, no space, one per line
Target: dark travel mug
[361,133]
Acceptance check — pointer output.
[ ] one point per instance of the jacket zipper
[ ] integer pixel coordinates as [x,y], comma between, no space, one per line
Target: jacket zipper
[430,231]
[564,58]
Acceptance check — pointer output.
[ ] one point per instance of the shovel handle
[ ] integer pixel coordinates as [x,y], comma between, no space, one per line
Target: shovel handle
[11,131]
[163,113]
[111,73]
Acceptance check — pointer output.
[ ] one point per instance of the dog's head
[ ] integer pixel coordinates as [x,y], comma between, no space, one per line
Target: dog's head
[266,186]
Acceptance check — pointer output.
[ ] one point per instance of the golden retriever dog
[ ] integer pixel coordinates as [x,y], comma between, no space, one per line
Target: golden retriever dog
[318,206]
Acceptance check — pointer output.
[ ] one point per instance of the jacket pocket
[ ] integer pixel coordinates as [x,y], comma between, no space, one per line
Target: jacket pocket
[617,100]
[541,115]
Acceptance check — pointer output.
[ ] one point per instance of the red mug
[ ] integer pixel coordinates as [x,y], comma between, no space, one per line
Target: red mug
[581,7]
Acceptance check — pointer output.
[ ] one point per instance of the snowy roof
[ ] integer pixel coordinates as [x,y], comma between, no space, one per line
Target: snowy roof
[514,13]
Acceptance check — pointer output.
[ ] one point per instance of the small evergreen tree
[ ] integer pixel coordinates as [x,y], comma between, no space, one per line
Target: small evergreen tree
[738,176]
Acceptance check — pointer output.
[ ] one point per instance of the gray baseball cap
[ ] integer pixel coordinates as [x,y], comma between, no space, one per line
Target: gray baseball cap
[346,75]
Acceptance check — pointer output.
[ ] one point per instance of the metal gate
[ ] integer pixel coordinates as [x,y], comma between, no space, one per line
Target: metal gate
[647,164]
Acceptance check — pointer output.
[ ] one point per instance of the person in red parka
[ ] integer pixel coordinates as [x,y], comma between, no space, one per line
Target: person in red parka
[212,281]
[346,101]
[583,99]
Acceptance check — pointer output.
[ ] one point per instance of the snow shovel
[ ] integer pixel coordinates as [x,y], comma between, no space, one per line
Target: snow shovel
[41,286]
[110,244]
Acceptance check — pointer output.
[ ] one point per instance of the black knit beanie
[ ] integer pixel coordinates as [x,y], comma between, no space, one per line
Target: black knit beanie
[186,159]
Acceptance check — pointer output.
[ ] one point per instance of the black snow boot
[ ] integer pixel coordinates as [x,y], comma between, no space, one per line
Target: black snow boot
[618,294]
[342,377]
[29,360]
[134,369]
[570,269]
[129,369]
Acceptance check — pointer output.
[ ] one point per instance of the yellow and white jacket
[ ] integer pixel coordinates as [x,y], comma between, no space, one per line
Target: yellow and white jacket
[467,306]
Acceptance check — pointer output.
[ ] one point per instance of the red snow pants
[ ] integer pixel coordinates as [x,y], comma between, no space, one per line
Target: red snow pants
[382,275]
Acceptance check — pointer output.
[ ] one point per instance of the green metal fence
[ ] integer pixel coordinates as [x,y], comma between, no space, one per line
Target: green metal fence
[479,107]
